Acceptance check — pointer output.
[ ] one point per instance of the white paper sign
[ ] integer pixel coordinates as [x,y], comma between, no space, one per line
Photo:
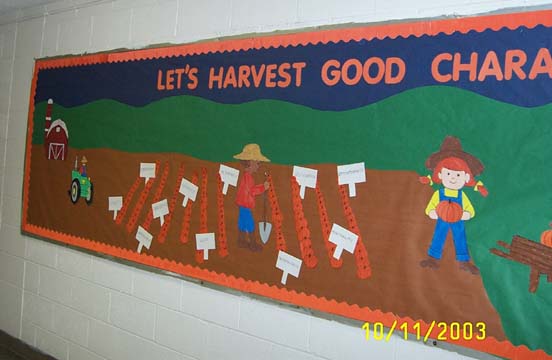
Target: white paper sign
[343,239]
[115,204]
[189,190]
[229,176]
[160,209]
[288,264]
[305,177]
[205,242]
[144,238]
[147,171]
[350,175]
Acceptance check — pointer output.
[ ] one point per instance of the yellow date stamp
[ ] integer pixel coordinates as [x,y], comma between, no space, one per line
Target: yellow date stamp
[454,331]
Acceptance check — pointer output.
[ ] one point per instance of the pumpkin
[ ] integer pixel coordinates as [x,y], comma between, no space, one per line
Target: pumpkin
[449,211]
[546,237]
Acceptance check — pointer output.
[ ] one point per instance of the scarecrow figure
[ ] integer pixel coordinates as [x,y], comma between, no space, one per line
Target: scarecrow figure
[250,158]
[82,170]
[450,206]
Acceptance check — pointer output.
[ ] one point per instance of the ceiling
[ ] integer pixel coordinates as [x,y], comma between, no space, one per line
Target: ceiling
[7,6]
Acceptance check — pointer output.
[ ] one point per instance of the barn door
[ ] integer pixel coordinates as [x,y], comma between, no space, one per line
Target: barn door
[56,151]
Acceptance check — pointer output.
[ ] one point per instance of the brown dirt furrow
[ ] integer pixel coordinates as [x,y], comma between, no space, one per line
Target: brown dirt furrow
[389,210]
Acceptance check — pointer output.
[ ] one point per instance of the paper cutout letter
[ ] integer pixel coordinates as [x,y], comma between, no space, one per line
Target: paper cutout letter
[189,190]
[115,204]
[160,209]
[144,238]
[229,176]
[288,264]
[147,171]
[343,239]
[305,177]
[350,175]
[205,242]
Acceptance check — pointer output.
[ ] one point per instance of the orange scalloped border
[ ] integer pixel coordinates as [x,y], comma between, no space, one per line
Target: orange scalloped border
[448,26]
[430,28]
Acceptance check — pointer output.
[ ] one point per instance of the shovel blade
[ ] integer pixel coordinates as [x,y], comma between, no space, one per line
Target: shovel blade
[264,230]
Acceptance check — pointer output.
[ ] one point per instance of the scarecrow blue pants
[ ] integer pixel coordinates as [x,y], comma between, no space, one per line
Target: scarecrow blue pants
[245,220]
[459,236]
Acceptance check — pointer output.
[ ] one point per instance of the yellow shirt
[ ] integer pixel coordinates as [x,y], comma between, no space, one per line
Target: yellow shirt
[466,203]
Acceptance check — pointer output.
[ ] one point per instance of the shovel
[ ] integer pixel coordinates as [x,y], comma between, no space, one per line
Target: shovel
[264,227]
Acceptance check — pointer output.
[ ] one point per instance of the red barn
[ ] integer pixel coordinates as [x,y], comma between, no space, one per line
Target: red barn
[56,136]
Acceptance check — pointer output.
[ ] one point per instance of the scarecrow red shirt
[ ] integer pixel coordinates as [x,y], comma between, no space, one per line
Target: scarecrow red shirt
[247,190]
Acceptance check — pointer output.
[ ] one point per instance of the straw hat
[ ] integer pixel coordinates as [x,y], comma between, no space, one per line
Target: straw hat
[251,152]
[83,160]
[451,147]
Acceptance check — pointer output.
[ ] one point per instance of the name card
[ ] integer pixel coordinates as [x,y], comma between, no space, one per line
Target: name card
[306,178]
[205,242]
[229,176]
[147,171]
[289,265]
[160,209]
[350,175]
[343,239]
[189,190]
[115,204]
[144,239]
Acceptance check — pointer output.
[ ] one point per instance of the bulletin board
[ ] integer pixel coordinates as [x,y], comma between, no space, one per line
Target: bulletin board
[396,174]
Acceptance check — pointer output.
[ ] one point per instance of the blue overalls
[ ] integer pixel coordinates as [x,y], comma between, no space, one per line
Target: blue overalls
[458,233]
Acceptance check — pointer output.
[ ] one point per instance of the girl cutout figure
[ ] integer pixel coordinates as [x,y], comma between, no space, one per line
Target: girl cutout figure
[450,206]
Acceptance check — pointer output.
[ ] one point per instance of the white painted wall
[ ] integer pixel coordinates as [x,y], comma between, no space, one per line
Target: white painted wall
[79,307]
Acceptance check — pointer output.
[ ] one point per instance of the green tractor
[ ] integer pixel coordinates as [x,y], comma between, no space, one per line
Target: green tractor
[81,185]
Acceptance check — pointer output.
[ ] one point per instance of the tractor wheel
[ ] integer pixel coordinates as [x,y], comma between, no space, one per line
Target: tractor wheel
[75,191]
[90,196]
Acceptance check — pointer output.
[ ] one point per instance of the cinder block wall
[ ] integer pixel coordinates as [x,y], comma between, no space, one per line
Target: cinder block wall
[80,307]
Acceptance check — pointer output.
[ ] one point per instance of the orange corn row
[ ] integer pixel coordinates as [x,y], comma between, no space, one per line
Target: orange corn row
[172,205]
[185,232]
[203,202]
[157,196]
[363,264]
[326,228]
[302,227]
[202,211]
[127,200]
[131,225]
[222,241]
[276,215]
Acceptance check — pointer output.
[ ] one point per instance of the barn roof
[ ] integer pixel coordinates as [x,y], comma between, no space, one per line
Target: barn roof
[60,123]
